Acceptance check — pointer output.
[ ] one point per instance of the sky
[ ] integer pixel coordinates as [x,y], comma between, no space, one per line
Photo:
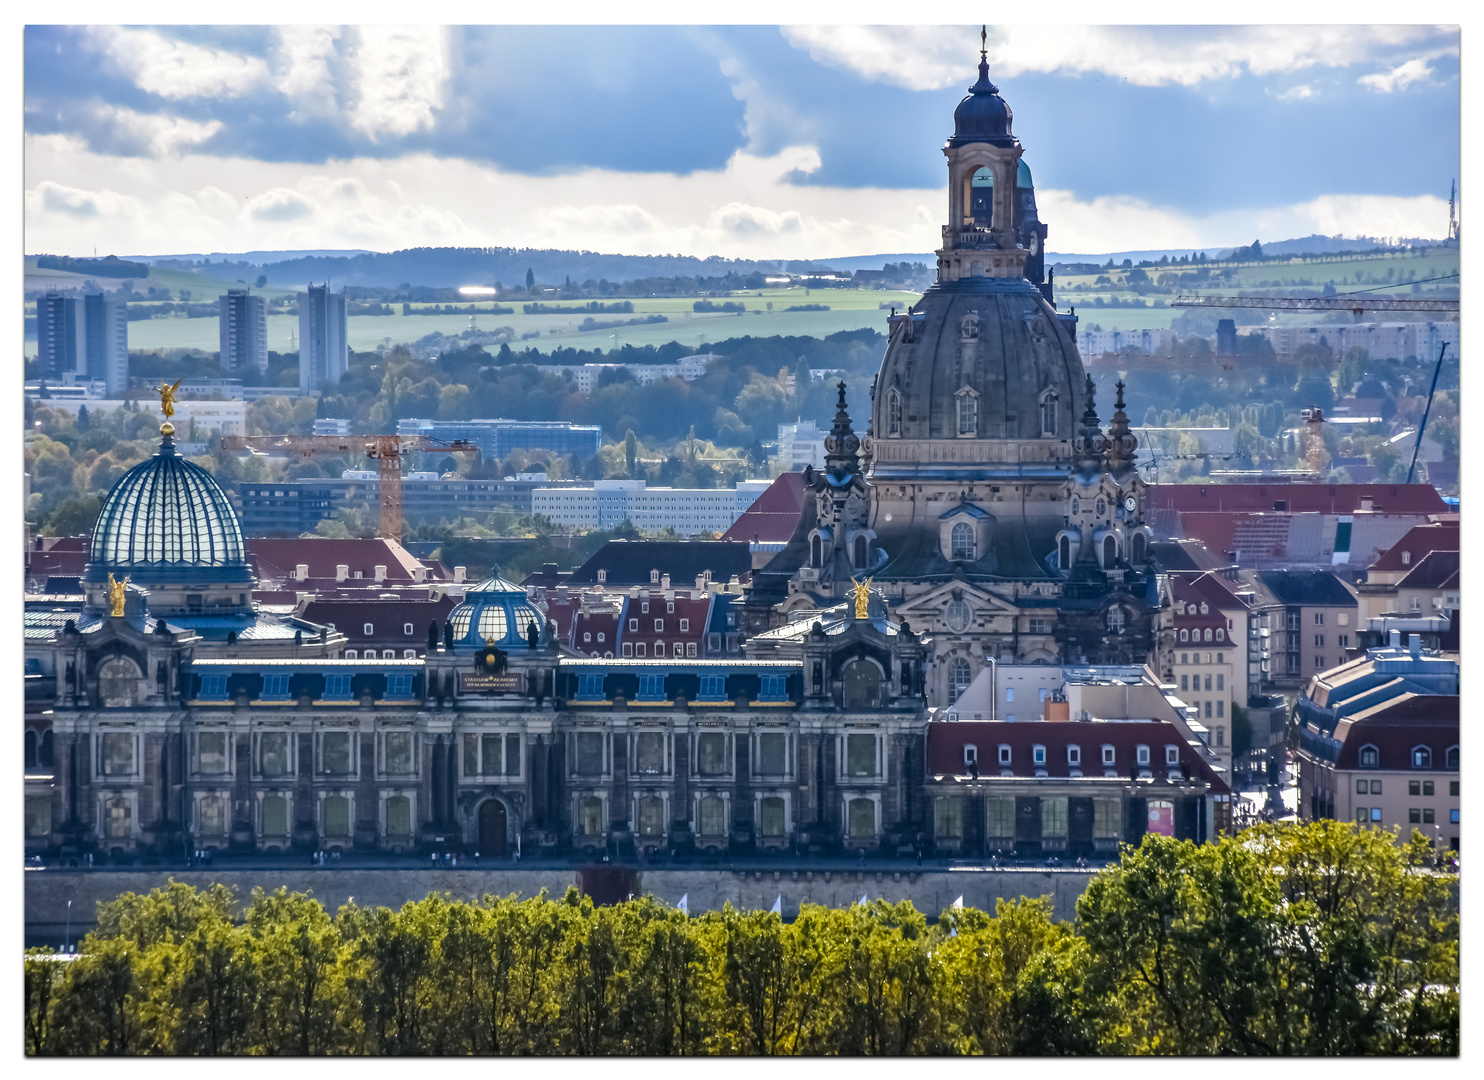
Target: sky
[737,141]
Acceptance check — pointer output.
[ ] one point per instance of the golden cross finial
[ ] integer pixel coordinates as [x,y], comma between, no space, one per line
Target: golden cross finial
[862,595]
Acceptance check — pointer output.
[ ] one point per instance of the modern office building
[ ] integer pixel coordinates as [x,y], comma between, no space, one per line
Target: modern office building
[243,331]
[60,332]
[607,504]
[496,438]
[106,342]
[323,352]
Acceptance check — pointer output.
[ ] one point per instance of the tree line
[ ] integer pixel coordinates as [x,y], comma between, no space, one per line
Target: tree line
[1285,940]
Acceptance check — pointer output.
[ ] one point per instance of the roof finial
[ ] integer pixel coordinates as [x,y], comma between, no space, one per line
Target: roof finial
[983,42]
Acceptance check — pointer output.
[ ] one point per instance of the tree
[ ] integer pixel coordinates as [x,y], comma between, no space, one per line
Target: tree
[630,451]
[1241,732]
[530,278]
[262,280]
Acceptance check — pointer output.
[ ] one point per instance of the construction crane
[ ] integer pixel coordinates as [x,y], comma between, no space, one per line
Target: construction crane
[1453,210]
[386,450]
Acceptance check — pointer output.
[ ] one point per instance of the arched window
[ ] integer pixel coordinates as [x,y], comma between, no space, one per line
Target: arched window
[981,198]
[1208,633]
[771,817]
[399,816]
[860,551]
[1110,552]
[893,412]
[862,685]
[1184,635]
[1101,507]
[335,816]
[118,683]
[862,819]
[962,542]
[1219,635]
[816,552]
[31,755]
[44,750]
[1138,549]
[1048,414]
[959,677]
[1076,506]
[968,414]
[957,615]
[1064,551]
[211,819]
[1421,757]
[1115,620]
[651,816]
[590,816]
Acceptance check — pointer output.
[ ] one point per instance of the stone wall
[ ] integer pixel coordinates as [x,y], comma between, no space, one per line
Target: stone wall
[47,891]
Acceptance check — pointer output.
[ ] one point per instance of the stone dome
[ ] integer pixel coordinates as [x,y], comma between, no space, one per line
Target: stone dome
[983,116]
[168,521]
[997,342]
[495,610]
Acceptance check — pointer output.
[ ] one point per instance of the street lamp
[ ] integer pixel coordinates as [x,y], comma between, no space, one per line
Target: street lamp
[67,937]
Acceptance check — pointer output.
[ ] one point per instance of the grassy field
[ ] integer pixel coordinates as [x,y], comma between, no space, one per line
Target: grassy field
[849,310]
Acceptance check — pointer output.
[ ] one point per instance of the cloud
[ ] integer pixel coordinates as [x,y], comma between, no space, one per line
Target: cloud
[176,69]
[741,220]
[1399,77]
[279,204]
[934,58]
[1296,93]
[53,198]
[303,72]
[400,76]
[158,133]
[608,221]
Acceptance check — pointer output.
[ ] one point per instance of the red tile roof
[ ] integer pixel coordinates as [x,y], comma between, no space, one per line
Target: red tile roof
[946,741]
[1418,541]
[1435,571]
[1397,726]
[1296,498]
[277,558]
[771,519]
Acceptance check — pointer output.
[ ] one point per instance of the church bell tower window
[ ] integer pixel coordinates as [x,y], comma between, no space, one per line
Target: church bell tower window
[968,413]
[981,198]
[893,413]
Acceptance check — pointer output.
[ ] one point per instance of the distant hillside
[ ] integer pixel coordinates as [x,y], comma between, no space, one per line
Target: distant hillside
[446,267]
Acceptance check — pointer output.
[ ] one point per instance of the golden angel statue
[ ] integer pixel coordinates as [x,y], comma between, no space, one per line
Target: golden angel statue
[167,397]
[862,595]
[116,594]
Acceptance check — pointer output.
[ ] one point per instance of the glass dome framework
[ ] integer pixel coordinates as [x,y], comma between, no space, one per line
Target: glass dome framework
[495,610]
[168,521]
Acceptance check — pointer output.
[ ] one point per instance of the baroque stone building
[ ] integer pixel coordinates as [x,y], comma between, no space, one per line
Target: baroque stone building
[986,501]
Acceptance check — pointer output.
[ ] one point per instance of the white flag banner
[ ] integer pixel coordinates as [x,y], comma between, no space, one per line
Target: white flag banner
[684,904]
[777,908]
[865,899]
[958,905]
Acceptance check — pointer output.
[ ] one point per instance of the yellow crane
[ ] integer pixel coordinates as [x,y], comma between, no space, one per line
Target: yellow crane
[386,450]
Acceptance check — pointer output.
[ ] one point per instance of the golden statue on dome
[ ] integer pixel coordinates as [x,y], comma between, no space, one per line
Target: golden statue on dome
[167,399]
[862,595]
[116,594]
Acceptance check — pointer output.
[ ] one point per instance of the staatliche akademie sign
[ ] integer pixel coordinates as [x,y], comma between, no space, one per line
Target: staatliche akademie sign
[476,683]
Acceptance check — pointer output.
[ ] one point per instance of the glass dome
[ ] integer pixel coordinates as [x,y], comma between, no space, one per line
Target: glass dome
[495,610]
[168,519]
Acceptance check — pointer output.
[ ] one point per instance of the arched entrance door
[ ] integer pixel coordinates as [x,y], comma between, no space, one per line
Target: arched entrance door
[492,827]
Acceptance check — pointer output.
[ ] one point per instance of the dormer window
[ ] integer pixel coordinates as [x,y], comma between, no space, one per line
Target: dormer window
[1142,756]
[893,412]
[1421,757]
[971,754]
[1109,755]
[654,577]
[968,412]
[1370,757]
[1406,558]
[1074,755]
[1038,754]
[962,539]
[1172,755]
[1004,754]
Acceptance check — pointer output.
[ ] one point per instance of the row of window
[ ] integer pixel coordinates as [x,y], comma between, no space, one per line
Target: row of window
[1195,635]
[1415,816]
[1414,787]
[1196,684]
[678,650]
[337,686]
[999,817]
[386,654]
[968,412]
[712,817]
[1420,757]
[653,753]
[652,686]
[1074,754]
[659,624]
[1195,658]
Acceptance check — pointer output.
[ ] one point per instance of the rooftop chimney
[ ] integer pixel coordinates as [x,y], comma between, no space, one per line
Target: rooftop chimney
[419,573]
[301,572]
[381,573]
[342,572]
[1396,639]
[459,572]
[665,582]
[1414,646]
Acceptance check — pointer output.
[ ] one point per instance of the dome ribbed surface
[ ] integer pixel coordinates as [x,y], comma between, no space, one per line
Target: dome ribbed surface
[167,513]
[496,610]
